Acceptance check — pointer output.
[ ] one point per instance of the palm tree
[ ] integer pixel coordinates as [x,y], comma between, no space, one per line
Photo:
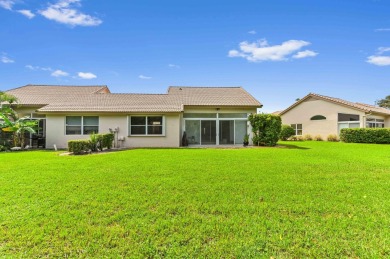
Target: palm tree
[18,127]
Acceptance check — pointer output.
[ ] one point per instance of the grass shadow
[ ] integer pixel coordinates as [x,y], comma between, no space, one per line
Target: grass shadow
[290,146]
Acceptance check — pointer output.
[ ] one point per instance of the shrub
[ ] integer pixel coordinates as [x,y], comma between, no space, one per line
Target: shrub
[364,135]
[78,146]
[308,137]
[107,140]
[300,138]
[333,138]
[3,148]
[318,138]
[286,132]
[266,129]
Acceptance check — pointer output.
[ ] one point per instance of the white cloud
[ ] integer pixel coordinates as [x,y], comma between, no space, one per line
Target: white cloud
[379,59]
[305,54]
[86,75]
[35,68]
[5,59]
[7,4]
[144,77]
[261,51]
[27,13]
[252,32]
[383,29]
[64,11]
[173,66]
[59,73]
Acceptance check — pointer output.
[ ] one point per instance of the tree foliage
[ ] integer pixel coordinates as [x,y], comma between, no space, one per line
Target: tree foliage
[266,129]
[385,103]
[286,132]
[17,126]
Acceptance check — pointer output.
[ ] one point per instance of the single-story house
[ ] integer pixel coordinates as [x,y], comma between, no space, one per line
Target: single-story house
[208,115]
[322,115]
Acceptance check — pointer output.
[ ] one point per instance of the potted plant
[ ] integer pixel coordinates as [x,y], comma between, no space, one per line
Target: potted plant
[246,140]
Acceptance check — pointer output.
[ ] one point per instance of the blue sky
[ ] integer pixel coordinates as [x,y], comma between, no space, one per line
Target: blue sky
[277,50]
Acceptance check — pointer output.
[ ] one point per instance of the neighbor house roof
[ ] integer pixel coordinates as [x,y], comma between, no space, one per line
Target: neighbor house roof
[100,99]
[358,106]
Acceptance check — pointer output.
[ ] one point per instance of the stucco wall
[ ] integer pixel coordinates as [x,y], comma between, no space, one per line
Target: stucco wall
[55,131]
[302,113]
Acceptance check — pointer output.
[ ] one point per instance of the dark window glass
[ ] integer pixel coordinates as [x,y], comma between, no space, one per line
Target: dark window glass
[348,117]
[155,121]
[138,130]
[138,120]
[154,130]
[90,130]
[317,118]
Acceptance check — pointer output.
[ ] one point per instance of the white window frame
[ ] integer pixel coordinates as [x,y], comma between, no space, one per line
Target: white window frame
[296,128]
[146,126]
[375,123]
[82,125]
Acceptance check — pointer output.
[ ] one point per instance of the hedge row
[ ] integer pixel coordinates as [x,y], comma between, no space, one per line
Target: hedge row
[96,142]
[366,135]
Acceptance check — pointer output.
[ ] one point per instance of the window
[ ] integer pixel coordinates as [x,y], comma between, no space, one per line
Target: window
[146,125]
[317,118]
[348,117]
[81,125]
[297,128]
[375,123]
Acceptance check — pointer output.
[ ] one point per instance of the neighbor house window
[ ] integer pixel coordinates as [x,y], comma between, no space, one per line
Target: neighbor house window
[317,118]
[146,125]
[375,123]
[81,125]
[297,128]
[348,117]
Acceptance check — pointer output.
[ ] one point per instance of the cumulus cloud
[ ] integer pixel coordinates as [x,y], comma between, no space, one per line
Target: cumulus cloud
[26,13]
[305,54]
[7,4]
[144,77]
[380,59]
[65,11]
[261,51]
[5,59]
[252,32]
[59,73]
[86,75]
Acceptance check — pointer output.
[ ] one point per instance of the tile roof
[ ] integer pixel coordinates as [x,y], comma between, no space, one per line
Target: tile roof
[211,96]
[358,106]
[99,98]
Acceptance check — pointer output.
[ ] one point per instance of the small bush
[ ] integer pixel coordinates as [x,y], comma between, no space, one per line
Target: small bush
[300,138]
[296,138]
[308,137]
[78,146]
[318,138]
[333,138]
[364,135]
[107,140]
[286,132]
[3,148]
[266,129]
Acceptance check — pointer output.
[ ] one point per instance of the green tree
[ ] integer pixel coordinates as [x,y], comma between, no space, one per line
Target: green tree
[385,103]
[18,127]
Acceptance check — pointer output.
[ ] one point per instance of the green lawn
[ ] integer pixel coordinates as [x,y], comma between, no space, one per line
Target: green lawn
[315,199]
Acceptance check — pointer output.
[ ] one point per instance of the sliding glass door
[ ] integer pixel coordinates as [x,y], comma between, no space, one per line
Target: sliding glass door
[208,132]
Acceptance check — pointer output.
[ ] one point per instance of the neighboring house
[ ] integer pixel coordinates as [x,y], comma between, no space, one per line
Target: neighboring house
[316,114]
[208,115]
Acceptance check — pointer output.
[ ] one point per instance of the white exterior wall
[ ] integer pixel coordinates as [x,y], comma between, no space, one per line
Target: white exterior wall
[302,113]
[55,131]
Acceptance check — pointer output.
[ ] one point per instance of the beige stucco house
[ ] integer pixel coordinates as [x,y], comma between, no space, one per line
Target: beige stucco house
[208,115]
[322,115]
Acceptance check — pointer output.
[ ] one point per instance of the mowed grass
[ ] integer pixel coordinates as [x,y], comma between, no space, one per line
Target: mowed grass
[312,199]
